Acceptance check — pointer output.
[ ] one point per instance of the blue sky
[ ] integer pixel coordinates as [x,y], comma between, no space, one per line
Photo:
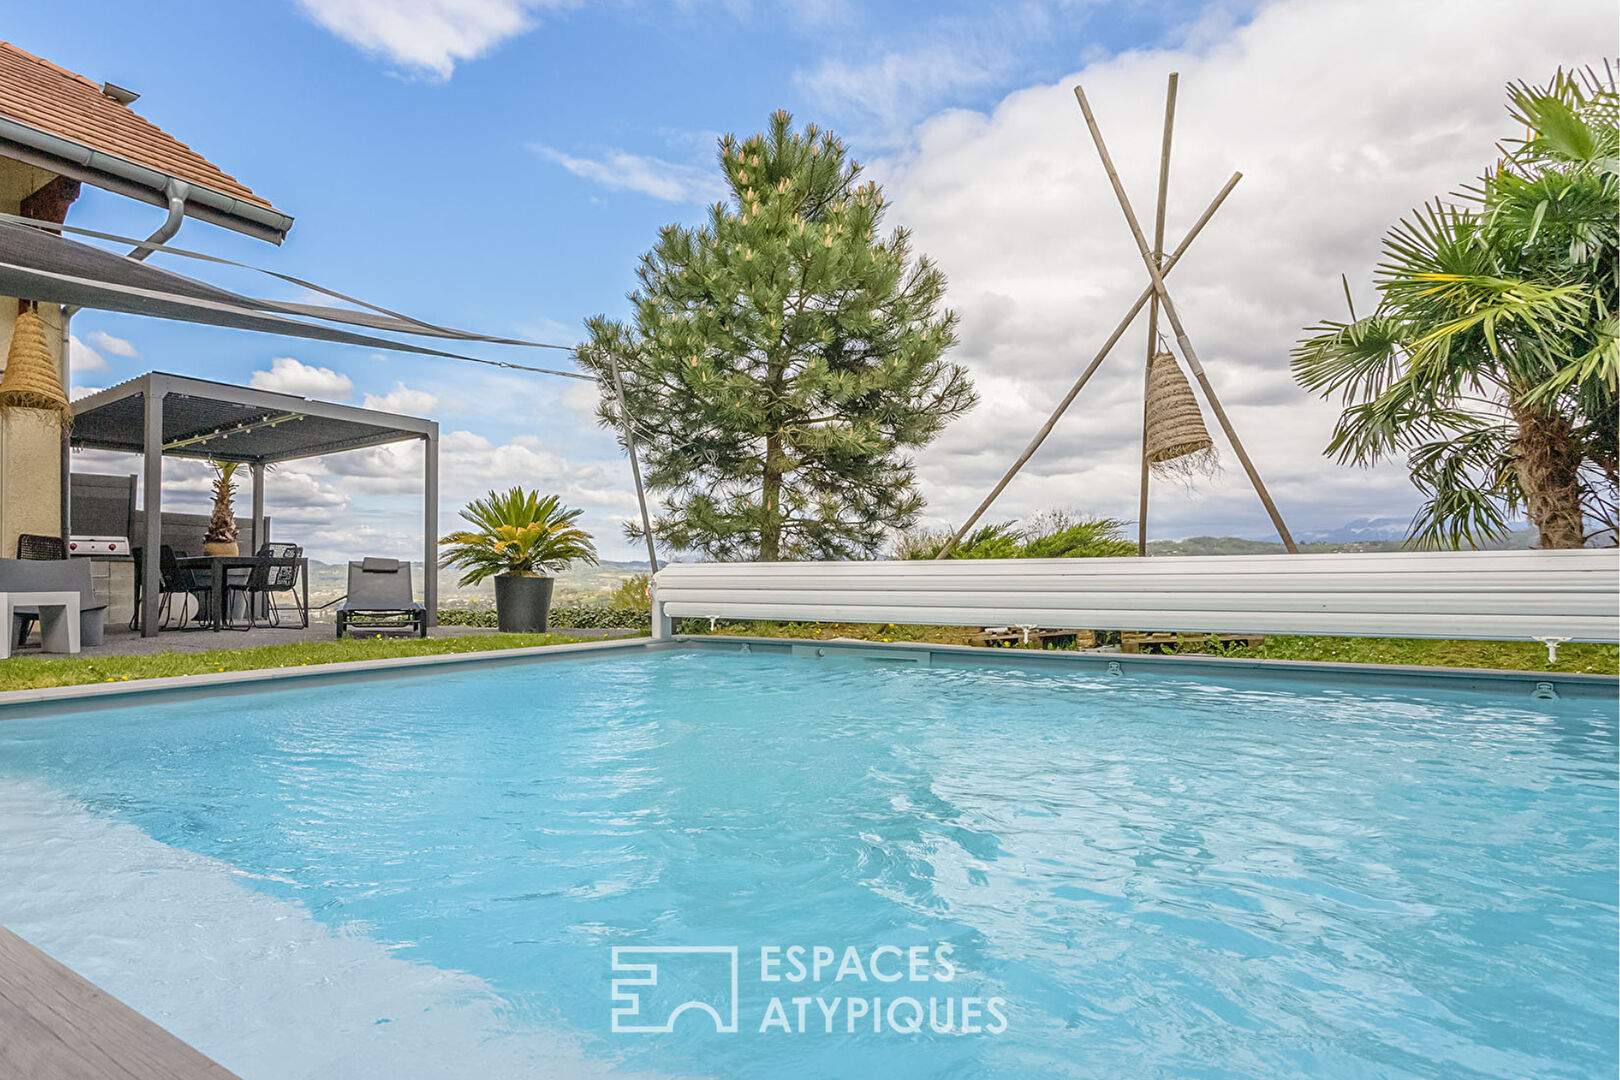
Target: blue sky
[500,164]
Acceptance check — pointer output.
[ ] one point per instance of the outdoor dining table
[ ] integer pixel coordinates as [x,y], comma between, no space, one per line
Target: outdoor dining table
[219,566]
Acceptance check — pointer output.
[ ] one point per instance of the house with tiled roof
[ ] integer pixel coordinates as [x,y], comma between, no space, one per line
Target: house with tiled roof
[64,124]
[58,132]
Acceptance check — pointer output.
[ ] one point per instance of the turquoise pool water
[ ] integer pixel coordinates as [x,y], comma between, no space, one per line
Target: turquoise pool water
[1124,876]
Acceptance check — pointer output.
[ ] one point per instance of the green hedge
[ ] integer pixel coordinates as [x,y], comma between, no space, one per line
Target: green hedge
[573,618]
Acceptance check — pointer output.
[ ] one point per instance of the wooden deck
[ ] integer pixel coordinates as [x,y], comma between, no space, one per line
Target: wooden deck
[55,1025]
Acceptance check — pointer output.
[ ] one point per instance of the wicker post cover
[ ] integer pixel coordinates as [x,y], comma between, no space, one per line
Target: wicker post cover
[1176,440]
[30,381]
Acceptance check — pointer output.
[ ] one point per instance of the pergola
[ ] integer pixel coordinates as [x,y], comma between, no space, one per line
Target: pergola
[160,415]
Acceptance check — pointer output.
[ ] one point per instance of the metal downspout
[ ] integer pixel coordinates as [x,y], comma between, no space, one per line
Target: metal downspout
[176,191]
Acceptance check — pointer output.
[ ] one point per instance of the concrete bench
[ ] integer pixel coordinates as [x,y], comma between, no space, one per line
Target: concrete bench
[58,615]
[51,575]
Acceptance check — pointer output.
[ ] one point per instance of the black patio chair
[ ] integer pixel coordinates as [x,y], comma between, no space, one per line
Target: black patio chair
[33,547]
[380,599]
[173,580]
[275,570]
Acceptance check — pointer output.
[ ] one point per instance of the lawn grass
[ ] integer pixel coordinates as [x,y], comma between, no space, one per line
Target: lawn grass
[33,672]
[1508,655]
[1505,655]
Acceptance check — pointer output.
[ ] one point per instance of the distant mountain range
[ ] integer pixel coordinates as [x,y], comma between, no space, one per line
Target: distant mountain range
[580,585]
[1356,536]
[1383,528]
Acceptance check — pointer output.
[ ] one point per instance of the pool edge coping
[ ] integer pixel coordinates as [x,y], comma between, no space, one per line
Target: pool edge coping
[110,694]
[11,700]
[1594,684]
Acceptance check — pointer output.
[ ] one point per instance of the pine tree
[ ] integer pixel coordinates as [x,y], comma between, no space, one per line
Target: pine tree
[783,360]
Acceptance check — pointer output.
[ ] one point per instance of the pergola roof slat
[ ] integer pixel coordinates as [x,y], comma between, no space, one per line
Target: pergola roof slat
[205,419]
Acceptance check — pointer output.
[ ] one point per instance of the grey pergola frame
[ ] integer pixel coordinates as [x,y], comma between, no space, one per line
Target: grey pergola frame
[365,427]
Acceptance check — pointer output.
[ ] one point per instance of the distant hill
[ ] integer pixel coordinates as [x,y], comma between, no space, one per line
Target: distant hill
[1233,545]
[580,585]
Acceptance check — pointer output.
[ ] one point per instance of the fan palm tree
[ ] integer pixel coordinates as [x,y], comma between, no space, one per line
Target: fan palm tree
[1491,360]
[518,534]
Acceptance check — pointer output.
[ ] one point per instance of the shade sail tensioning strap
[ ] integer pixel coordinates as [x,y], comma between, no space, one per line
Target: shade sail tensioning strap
[414,325]
[48,287]
[37,265]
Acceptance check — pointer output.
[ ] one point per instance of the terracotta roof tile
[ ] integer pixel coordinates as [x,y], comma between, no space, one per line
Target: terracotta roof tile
[54,100]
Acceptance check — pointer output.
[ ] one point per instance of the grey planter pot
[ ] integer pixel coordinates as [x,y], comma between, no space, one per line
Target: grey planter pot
[522,604]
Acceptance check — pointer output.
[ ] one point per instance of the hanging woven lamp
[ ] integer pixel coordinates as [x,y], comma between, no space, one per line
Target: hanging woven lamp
[1176,441]
[31,381]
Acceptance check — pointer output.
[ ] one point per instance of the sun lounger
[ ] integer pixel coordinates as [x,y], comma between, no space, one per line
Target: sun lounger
[380,600]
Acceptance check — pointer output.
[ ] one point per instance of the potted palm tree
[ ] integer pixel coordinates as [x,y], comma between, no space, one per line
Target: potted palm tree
[519,539]
[220,539]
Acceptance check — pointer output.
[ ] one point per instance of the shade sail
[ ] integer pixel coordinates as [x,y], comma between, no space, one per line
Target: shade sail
[38,265]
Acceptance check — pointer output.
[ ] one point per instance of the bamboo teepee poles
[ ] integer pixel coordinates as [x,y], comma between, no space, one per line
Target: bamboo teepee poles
[1096,362]
[1153,307]
[1174,319]
[1157,295]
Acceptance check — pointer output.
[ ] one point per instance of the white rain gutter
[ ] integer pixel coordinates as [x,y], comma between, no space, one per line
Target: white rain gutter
[113,173]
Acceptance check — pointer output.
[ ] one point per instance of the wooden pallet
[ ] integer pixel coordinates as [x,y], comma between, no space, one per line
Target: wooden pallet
[999,638]
[1131,641]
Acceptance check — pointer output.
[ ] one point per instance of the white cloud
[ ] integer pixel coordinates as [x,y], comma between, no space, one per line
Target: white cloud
[292,376]
[470,464]
[886,93]
[619,170]
[82,357]
[1335,144]
[323,502]
[582,398]
[115,345]
[402,399]
[878,90]
[428,36]
[78,392]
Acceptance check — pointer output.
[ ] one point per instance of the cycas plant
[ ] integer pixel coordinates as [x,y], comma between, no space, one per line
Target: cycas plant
[518,534]
[1491,361]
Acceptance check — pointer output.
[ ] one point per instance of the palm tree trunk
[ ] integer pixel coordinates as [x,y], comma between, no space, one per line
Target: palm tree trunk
[1548,460]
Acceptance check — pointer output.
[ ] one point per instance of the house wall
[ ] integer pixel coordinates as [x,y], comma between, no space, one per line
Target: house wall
[30,439]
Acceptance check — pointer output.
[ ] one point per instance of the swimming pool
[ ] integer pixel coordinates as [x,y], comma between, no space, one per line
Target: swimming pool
[1179,871]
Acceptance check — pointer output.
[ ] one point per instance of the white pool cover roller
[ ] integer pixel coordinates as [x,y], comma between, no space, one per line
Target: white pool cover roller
[1493,595]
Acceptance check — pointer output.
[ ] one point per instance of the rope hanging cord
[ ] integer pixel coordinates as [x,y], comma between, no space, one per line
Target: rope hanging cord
[1176,441]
